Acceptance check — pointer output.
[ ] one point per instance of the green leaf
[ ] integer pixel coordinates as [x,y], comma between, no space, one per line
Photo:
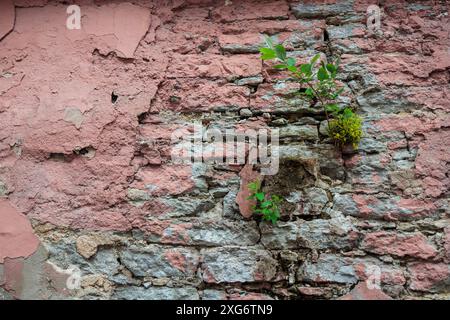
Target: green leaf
[306,68]
[290,62]
[266,204]
[267,51]
[276,199]
[260,196]
[280,66]
[254,186]
[332,107]
[322,74]
[281,52]
[268,56]
[314,59]
[309,92]
[292,69]
[331,68]
[348,113]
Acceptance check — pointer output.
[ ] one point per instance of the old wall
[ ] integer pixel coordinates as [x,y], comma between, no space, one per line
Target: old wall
[87,181]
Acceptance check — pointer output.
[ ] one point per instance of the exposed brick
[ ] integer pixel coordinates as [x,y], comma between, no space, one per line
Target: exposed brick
[224,265]
[412,245]
[429,277]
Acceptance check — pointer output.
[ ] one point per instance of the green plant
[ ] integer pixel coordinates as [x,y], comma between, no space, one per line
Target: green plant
[346,128]
[267,207]
[319,84]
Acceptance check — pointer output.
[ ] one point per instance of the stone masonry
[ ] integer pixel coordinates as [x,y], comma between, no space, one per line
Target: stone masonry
[93,207]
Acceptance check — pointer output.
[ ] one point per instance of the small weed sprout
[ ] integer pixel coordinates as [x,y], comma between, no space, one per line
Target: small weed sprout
[266,206]
[344,125]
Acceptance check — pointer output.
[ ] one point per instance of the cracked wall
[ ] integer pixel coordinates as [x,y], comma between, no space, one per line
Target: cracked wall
[87,181]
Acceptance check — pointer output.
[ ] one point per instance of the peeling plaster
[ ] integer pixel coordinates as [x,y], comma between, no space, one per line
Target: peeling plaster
[18,239]
[7,17]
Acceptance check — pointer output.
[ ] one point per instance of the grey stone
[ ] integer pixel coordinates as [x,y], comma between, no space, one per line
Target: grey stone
[137,197]
[156,261]
[219,192]
[4,295]
[266,115]
[372,145]
[240,48]
[223,232]
[343,31]
[323,128]
[156,293]
[279,122]
[3,189]
[331,268]
[208,232]
[105,261]
[250,81]
[345,204]
[314,10]
[374,102]
[303,39]
[331,163]
[345,47]
[65,255]
[402,155]
[211,294]
[234,264]
[314,201]
[245,112]
[404,164]
[315,234]
[185,207]
[305,132]
[307,120]
[230,208]
[297,153]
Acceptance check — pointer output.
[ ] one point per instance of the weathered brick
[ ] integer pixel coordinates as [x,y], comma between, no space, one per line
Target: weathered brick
[331,268]
[214,66]
[155,293]
[235,264]
[313,10]
[170,179]
[429,277]
[402,245]
[250,10]
[156,261]
[189,95]
[206,232]
[362,292]
[337,233]
[393,207]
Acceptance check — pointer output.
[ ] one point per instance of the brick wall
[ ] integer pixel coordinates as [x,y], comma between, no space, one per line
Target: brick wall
[93,206]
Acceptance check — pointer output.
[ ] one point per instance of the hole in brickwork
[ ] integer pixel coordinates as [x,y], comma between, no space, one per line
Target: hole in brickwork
[59,157]
[293,176]
[114,97]
[326,36]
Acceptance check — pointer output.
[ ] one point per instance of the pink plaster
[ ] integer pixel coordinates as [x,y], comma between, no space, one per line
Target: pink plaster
[16,235]
[7,17]
[247,175]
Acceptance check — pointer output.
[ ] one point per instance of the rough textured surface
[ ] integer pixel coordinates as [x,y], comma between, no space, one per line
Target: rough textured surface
[17,237]
[87,117]
[7,17]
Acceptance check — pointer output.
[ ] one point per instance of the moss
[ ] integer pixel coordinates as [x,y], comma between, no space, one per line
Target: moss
[346,128]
